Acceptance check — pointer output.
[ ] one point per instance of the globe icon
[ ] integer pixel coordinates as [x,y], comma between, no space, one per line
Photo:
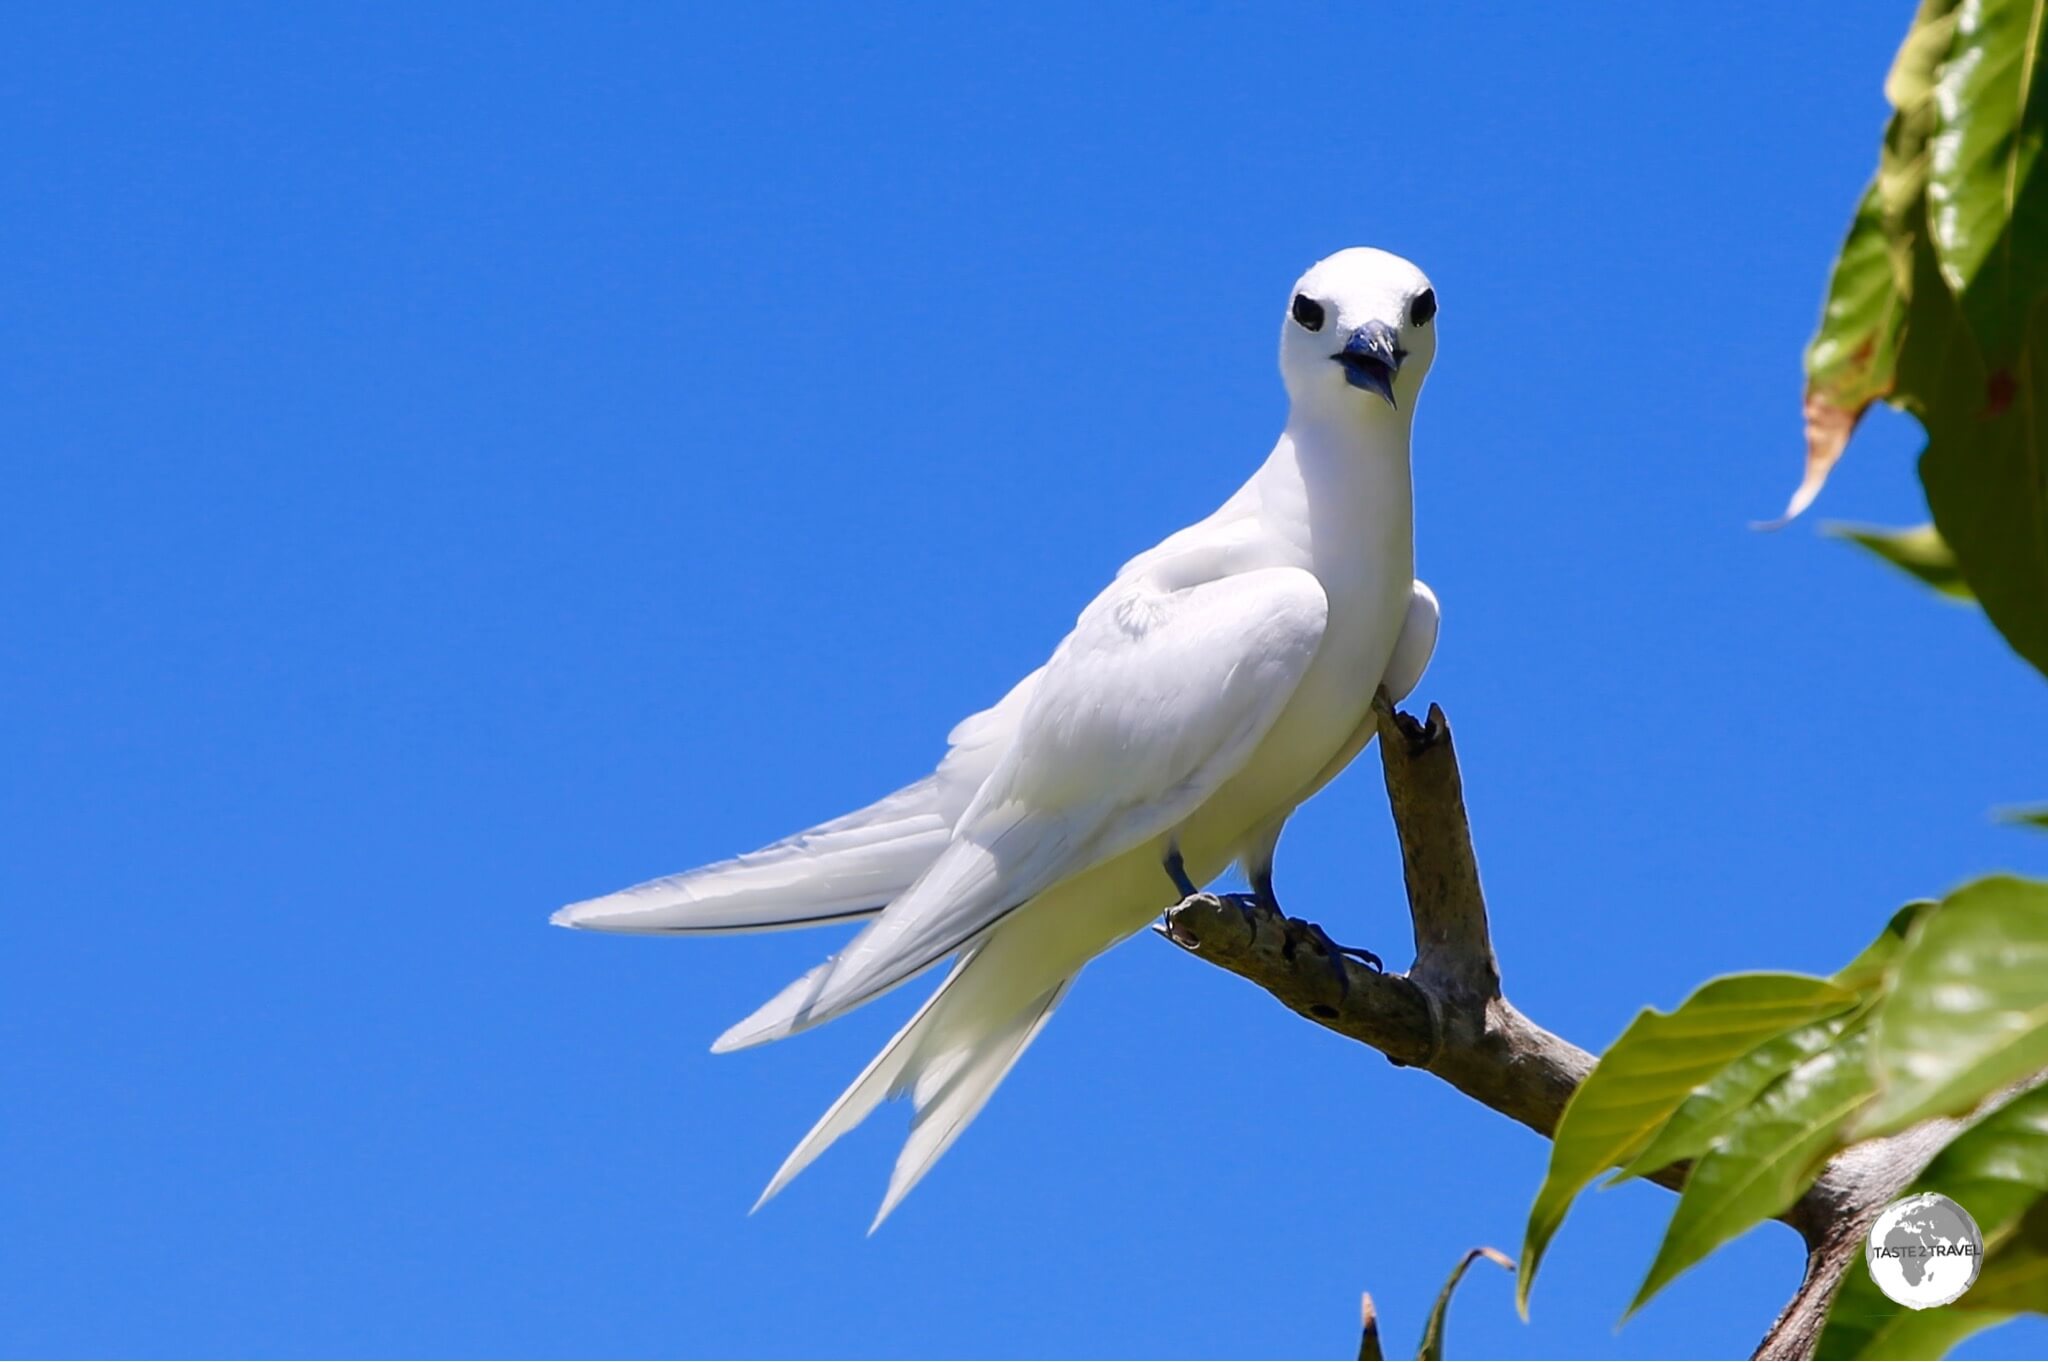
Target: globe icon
[1924,1251]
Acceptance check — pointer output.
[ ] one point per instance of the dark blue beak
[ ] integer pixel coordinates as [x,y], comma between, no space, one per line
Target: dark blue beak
[1371,358]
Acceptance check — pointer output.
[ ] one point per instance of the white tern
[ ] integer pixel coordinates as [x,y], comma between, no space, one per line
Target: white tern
[1224,677]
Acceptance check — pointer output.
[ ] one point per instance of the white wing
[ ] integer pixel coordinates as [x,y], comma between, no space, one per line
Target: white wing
[1412,651]
[847,868]
[854,865]
[1156,698]
[1415,646]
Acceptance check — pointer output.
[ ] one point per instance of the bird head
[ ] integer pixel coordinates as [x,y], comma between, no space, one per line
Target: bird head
[1359,333]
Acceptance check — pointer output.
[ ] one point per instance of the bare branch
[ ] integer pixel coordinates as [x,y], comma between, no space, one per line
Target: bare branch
[1445,1015]
[1835,1216]
[1448,1015]
[1454,958]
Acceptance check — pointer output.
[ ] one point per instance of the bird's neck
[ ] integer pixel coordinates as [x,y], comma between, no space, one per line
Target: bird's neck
[1348,436]
[1344,482]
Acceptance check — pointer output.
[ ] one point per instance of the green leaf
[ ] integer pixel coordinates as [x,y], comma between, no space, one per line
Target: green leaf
[1903,165]
[1975,373]
[1995,1170]
[1704,1117]
[1714,1107]
[1985,468]
[1432,1349]
[2031,818]
[1967,1012]
[1893,1331]
[1918,551]
[1850,356]
[1769,1157]
[1986,191]
[1853,358]
[1850,359]
[1870,970]
[1649,1071]
[1998,1166]
[2015,1275]
[2017,1283]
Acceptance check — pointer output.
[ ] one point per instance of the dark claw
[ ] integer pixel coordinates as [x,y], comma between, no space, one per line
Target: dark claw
[1296,930]
[1358,953]
[1175,933]
[1332,953]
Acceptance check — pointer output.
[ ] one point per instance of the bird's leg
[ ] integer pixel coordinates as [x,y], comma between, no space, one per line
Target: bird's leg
[1262,888]
[1262,893]
[1179,873]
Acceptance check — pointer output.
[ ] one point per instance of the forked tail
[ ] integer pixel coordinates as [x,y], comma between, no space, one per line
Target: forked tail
[947,1059]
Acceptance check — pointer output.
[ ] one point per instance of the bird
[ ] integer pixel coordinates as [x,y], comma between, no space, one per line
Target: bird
[1221,679]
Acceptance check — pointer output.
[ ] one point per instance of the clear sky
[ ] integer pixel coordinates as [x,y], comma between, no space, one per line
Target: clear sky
[458,462]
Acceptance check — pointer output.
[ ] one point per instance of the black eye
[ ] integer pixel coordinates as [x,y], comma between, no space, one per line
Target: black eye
[1308,312]
[1423,308]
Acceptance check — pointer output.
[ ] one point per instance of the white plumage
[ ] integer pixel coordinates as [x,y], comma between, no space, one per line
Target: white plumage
[1219,681]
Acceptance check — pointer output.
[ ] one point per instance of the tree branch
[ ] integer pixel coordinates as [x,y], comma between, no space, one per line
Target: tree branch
[1835,1215]
[1447,1014]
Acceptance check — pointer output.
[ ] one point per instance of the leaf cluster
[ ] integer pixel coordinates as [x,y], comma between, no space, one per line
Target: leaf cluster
[1938,305]
[1757,1080]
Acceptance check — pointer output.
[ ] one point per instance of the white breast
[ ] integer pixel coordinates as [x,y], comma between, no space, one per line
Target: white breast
[1344,514]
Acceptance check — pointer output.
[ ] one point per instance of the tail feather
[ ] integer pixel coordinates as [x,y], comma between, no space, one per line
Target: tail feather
[877,1083]
[948,1060]
[845,869]
[946,1105]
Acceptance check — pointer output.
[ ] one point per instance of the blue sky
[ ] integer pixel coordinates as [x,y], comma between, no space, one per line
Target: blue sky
[463,461]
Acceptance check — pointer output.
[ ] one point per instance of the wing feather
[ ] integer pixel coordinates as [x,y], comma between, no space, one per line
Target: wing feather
[1153,701]
[850,867]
